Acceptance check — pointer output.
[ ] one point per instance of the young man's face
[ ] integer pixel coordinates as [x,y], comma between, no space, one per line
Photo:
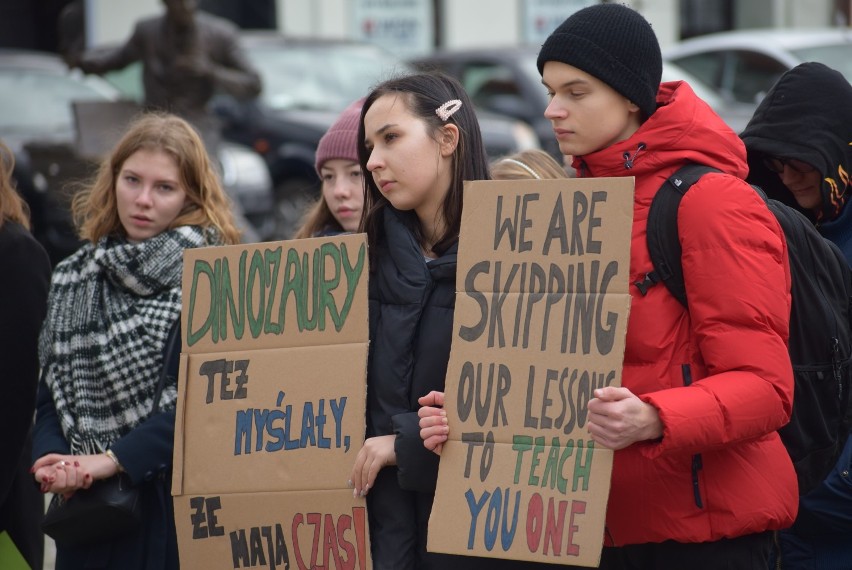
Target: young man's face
[805,184]
[587,114]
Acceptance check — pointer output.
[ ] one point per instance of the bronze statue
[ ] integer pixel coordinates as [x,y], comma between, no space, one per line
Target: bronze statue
[187,56]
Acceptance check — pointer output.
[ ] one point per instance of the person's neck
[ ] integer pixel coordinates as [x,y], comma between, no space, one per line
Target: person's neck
[431,231]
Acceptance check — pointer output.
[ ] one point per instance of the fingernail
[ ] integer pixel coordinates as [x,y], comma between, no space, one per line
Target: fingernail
[363,493]
[87,476]
[349,483]
[32,470]
[76,464]
[355,493]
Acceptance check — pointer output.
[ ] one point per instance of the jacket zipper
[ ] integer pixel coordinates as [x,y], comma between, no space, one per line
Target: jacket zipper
[697,461]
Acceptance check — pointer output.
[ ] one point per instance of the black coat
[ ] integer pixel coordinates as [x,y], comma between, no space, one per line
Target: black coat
[146,456]
[24,283]
[411,326]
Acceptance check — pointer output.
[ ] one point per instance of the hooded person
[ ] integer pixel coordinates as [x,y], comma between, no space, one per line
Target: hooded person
[700,477]
[799,152]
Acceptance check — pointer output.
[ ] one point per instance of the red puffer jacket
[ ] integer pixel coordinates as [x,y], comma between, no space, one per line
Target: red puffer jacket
[719,374]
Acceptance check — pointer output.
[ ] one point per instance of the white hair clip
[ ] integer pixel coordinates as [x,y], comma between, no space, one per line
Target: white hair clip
[524,166]
[446,110]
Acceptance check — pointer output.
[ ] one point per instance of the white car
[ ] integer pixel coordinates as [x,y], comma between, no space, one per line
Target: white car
[735,114]
[742,65]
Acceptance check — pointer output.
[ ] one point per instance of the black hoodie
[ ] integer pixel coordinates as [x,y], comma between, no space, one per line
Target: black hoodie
[807,115]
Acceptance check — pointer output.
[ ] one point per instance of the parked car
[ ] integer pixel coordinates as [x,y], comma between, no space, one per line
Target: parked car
[734,113]
[38,124]
[505,80]
[307,82]
[741,66]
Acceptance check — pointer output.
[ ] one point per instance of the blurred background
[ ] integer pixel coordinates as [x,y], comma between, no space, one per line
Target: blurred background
[315,56]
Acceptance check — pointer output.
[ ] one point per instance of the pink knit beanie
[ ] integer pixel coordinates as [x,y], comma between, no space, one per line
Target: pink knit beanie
[341,138]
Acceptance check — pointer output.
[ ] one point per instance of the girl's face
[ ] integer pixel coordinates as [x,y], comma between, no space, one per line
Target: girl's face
[148,193]
[410,167]
[343,191]
[587,114]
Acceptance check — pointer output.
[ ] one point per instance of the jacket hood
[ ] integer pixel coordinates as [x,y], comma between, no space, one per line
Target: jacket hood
[807,115]
[683,129]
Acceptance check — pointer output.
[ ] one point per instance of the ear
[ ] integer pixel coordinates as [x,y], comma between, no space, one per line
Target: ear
[449,139]
[632,107]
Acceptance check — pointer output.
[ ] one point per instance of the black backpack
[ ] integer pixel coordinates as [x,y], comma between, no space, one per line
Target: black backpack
[820,342]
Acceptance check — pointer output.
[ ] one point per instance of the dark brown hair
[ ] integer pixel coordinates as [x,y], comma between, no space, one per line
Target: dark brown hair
[423,93]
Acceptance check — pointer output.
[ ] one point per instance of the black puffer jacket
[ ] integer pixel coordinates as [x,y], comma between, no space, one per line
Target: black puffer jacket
[411,326]
[411,318]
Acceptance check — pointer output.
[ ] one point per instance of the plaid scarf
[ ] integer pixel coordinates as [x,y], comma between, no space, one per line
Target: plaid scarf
[110,309]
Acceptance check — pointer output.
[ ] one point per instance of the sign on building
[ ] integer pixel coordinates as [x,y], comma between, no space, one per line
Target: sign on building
[403,27]
[541,17]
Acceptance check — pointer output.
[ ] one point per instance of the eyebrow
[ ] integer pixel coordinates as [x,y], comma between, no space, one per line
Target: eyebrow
[380,130]
[126,170]
[568,83]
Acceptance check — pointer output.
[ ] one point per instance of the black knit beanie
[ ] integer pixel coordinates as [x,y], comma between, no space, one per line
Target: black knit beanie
[613,43]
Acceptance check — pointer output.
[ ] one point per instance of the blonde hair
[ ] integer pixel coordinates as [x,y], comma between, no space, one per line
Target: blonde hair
[12,206]
[95,207]
[526,164]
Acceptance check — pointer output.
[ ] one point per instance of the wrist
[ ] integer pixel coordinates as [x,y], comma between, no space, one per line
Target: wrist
[118,468]
[654,425]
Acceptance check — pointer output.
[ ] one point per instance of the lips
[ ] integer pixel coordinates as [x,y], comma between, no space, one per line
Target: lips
[561,133]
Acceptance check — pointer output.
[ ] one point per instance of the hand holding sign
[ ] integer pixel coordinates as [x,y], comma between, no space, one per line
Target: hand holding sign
[618,418]
[433,421]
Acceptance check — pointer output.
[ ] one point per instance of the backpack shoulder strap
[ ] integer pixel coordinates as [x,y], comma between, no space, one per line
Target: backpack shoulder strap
[662,233]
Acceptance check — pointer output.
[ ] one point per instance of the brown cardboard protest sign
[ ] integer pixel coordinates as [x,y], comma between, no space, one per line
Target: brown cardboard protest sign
[540,322]
[271,405]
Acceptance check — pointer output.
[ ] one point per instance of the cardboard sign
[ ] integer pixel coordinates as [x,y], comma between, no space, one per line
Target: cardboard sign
[272,405]
[540,322]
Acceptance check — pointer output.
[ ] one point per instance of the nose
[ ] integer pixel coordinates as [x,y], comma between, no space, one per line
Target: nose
[375,161]
[144,197]
[554,110]
[341,188]
[788,175]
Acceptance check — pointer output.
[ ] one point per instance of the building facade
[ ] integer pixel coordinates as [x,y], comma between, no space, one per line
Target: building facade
[412,27]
